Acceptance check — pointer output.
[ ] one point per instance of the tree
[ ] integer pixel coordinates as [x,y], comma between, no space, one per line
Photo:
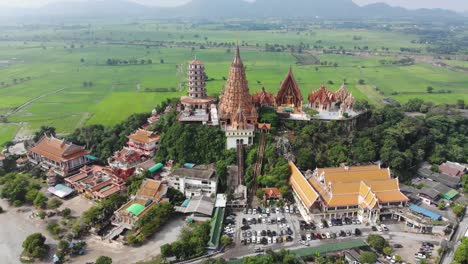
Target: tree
[161,61]
[166,250]
[441,205]
[368,257]
[361,82]
[34,245]
[377,242]
[225,240]
[429,89]
[66,213]
[49,131]
[459,210]
[103,260]
[40,201]
[81,60]
[54,203]
[387,250]
[259,193]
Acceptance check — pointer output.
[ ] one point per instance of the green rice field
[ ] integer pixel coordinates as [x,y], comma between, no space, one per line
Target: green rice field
[42,81]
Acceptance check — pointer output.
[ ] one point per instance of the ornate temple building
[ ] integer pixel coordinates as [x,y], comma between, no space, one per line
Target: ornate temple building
[264,98]
[289,97]
[235,94]
[61,157]
[364,192]
[143,141]
[325,100]
[197,98]
[197,105]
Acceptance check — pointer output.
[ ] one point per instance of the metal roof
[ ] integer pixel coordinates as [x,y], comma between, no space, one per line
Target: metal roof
[425,212]
[450,195]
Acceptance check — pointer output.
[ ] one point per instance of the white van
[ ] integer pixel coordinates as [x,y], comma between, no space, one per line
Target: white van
[269,240]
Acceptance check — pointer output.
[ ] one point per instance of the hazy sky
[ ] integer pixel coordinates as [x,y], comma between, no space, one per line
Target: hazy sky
[457,5]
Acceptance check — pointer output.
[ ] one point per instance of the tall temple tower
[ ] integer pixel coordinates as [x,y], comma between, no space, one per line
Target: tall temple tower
[197,98]
[236,93]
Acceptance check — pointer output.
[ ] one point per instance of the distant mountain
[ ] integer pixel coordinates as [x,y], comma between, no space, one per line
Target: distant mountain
[228,9]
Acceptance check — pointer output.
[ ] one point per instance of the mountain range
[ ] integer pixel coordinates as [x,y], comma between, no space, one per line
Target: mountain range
[227,9]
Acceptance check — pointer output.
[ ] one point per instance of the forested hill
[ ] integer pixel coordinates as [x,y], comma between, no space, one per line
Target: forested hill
[212,9]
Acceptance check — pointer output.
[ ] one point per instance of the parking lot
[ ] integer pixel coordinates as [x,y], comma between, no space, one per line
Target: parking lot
[265,227]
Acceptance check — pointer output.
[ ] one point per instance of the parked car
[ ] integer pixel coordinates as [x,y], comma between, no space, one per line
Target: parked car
[374,228]
[357,232]
[328,235]
[257,250]
[379,228]
[323,235]
[249,211]
[384,227]
[397,245]
[318,236]
[308,236]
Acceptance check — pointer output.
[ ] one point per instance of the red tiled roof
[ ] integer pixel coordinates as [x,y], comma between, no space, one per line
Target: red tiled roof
[450,171]
[272,193]
[322,95]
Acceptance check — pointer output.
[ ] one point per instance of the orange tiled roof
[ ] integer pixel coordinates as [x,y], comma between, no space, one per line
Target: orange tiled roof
[58,150]
[362,185]
[272,192]
[354,174]
[144,136]
[303,188]
[342,200]
[392,196]
[150,189]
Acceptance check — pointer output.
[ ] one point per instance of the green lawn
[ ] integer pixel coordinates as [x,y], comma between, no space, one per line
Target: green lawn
[7,132]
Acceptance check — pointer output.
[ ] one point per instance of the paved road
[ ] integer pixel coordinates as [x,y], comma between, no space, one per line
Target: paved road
[452,245]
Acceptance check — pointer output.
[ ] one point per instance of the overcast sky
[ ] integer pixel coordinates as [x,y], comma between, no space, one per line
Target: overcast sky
[457,5]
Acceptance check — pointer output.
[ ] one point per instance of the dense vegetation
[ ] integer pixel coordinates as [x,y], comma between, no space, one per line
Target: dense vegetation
[188,142]
[387,134]
[103,141]
[150,223]
[191,243]
[283,256]
[34,246]
[461,253]
[22,188]
[377,242]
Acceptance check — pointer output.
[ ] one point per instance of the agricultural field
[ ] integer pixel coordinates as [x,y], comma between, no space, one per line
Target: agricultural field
[61,77]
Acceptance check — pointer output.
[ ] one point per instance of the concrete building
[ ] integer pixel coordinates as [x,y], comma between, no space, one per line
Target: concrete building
[63,158]
[194,182]
[363,192]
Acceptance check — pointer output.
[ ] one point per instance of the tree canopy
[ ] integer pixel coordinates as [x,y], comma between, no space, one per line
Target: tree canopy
[34,245]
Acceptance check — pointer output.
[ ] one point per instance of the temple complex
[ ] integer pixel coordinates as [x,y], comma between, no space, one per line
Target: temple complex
[289,97]
[235,94]
[325,100]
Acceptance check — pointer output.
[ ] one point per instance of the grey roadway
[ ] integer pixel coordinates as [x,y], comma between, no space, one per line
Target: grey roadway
[452,244]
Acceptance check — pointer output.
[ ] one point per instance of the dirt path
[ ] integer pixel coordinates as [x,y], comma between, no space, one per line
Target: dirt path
[17,109]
